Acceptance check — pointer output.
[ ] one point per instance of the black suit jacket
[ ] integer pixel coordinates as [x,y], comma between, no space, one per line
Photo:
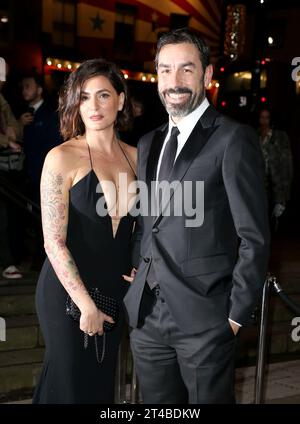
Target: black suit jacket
[216,270]
[39,138]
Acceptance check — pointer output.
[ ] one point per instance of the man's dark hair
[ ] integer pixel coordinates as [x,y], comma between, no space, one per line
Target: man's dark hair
[184,35]
[36,78]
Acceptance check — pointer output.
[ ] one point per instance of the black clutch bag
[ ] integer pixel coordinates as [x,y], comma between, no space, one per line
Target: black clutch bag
[106,304]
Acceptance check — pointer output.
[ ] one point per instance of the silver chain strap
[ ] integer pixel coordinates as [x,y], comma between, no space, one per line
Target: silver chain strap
[86,342]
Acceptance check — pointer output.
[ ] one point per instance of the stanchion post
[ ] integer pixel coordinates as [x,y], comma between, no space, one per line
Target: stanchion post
[261,355]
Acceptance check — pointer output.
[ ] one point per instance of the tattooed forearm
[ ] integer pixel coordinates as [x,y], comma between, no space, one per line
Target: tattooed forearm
[54,204]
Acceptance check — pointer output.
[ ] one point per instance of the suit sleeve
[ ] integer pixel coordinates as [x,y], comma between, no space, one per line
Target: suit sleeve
[243,175]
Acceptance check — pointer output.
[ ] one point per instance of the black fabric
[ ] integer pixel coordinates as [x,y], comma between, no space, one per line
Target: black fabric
[72,374]
[169,155]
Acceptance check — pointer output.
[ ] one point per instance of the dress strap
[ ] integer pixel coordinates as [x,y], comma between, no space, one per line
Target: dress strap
[126,158]
[90,155]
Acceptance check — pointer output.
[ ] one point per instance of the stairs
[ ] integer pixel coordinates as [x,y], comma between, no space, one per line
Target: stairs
[22,353]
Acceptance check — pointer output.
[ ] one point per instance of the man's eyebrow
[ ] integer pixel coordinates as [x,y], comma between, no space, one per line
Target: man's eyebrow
[163,65]
[182,65]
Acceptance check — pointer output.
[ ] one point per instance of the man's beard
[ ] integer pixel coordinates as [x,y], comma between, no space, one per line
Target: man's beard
[179,110]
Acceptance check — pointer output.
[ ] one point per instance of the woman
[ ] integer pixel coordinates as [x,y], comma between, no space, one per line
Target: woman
[85,246]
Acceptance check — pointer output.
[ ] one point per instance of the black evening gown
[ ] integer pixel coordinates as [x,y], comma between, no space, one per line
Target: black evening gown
[70,373]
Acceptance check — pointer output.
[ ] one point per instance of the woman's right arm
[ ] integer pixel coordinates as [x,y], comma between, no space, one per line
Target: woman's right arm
[55,185]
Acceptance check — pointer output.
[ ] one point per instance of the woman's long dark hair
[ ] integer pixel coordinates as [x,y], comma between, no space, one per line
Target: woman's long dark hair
[71,124]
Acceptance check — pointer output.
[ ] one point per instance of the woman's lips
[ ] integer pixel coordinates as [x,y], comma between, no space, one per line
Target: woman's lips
[96,117]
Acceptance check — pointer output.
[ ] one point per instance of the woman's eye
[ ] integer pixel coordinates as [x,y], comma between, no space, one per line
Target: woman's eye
[83,98]
[104,96]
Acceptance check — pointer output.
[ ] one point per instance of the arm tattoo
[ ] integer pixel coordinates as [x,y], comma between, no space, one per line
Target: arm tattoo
[54,214]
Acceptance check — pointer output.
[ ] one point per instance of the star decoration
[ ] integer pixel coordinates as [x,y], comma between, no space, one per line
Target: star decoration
[97,22]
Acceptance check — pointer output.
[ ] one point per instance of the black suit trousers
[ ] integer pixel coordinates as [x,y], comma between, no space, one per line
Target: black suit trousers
[174,368]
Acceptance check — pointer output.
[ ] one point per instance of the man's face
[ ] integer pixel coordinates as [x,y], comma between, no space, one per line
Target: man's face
[181,80]
[264,118]
[30,90]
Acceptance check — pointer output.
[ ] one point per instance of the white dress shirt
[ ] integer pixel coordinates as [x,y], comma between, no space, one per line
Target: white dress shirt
[185,127]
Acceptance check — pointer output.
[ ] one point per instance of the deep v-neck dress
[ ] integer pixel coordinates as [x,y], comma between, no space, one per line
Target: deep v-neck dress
[70,373]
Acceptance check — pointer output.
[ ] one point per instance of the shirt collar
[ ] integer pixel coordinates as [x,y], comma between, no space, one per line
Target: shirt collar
[37,105]
[187,124]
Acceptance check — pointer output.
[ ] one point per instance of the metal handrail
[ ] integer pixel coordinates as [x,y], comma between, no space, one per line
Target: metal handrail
[271,281]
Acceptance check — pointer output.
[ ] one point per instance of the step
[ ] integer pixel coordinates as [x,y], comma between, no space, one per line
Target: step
[22,332]
[17,304]
[30,278]
[19,377]
[21,357]
[17,296]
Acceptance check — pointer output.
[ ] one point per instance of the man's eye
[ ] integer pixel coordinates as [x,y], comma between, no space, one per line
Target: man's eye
[104,96]
[187,70]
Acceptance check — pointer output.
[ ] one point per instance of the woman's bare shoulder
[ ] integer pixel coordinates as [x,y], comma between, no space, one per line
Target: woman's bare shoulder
[65,155]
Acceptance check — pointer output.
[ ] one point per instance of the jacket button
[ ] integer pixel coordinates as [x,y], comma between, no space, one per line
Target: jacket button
[147,260]
[155,230]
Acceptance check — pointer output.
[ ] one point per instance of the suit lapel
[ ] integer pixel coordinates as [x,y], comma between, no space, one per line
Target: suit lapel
[193,146]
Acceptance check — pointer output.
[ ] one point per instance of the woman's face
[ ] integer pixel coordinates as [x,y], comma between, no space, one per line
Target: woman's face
[99,103]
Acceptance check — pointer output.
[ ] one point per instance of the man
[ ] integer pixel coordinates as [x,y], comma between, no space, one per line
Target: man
[41,130]
[10,133]
[196,285]
[278,159]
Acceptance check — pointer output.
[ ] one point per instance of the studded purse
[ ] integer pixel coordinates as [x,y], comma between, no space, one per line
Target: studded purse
[107,305]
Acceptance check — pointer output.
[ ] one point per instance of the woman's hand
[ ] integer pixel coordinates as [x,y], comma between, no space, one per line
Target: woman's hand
[131,277]
[92,319]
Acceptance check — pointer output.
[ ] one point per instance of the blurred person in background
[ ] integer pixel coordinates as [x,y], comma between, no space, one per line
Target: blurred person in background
[278,159]
[40,130]
[10,132]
